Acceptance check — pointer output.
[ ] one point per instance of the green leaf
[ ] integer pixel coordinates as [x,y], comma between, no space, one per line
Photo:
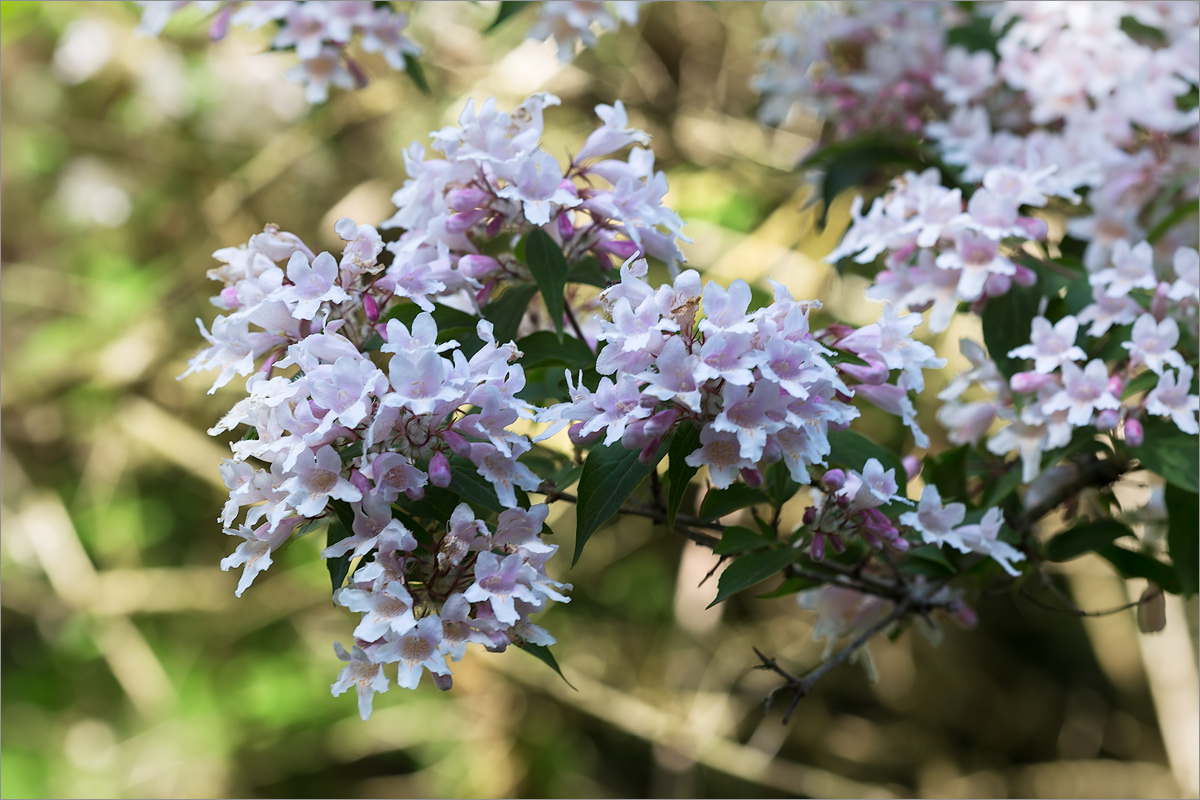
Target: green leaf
[544,349]
[414,70]
[782,487]
[1002,487]
[1183,535]
[543,654]
[850,449]
[505,313]
[467,483]
[737,539]
[1007,321]
[948,472]
[753,568]
[507,9]
[341,526]
[1133,564]
[1142,383]
[437,504]
[1171,453]
[719,502]
[679,474]
[549,269]
[588,271]
[1084,539]
[610,474]
[927,560]
[791,586]
[848,163]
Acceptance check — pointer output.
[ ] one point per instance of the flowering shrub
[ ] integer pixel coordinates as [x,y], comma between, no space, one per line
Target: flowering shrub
[407,393]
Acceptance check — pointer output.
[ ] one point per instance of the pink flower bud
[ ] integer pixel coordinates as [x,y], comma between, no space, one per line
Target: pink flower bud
[229,298]
[873,373]
[466,199]
[371,308]
[1161,302]
[647,456]
[621,248]
[443,682]
[439,470]
[817,549]
[833,480]
[356,71]
[635,436]
[494,225]
[1116,385]
[661,422]
[752,477]
[810,515]
[220,23]
[1034,228]
[477,267]
[912,466]
[484,295]
[415,494]
[965,615]
[1024,276]
[360,482]
[565,228]
[463,221]
[578,437]
[1108,419]
[1030,382]
[457,443]
[1135,435]
[997,285]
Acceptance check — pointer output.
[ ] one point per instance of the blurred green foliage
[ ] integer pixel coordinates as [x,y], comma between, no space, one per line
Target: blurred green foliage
[128,668]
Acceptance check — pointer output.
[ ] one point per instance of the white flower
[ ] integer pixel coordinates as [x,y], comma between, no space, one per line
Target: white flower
[1052,346]
[1153,343]
[1171,399]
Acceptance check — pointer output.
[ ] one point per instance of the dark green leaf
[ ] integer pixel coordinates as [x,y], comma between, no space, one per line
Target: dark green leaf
[505,313]
[507,9]
[679,474]
[1133,564]
[1171,453]
[467,483]
[414,70]
[1142,383]
[782,488]
[610,474]
[1183,535]
[587,271]
[791,586]
[927,560]
[738,540]
[948,472]
[855,162]
[1000,488]
[852,450]
[1007,322]
[719,502]
[544,349]
[437,504]
[341,526]
[1085,539]
[549,269]
[753,568]
[543,654]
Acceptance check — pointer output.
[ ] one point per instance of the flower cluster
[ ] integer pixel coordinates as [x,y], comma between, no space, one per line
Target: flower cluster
[576,23]
[941,249]
[319,33]
[425,597]
[759,386]
[350,412]
[1156,330]
[460,213]
[862,65]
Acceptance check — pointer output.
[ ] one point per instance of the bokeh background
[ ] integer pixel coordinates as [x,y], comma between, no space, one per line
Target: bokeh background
[128,667]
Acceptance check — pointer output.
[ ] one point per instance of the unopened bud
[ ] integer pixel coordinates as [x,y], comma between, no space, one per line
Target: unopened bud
[997,285]
[565,228]
[810,515]
[578,437]
[370,308]
[1037,230]
[439,470]
[443,682]
[416,493]
[912,466]
[1116,385]
[220,24]
[1108,419]
[635,436]
[661,422]
[494,225]
[817,549]
[360,482]
[478,267]
[752,477]
[1135,434]
[649,455]
[228,298]
[457,443]
[466,199]
[464,220]
[1030,382]
[357,72]
[873,373]
[621,248]
[833,480]
[1161,303]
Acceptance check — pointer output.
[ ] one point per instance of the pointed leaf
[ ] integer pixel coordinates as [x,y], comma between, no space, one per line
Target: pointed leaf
[505,313]
[719,502]
[507,9]
[1084,539]
[414,70]
[851,449]
[610,474]
[751,569]
[738,540]
[341,526]
[544,349]
[1133,564]
[679,474]
[549,269]
[1007,322]
[1171,453]
[1183,532]
[467,483]
[543,654]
